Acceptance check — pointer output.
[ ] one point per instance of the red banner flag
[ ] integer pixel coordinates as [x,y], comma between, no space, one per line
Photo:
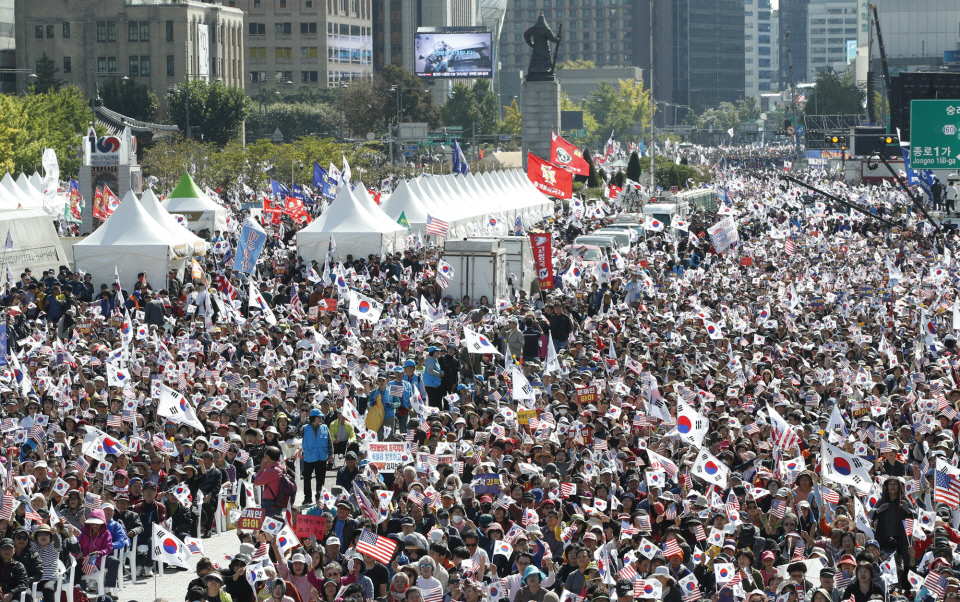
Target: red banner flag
[564,154]
[110,201]
[542,244]
[548,178]
[98,211]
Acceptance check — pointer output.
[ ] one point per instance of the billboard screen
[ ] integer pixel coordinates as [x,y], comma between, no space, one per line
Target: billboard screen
[449,54]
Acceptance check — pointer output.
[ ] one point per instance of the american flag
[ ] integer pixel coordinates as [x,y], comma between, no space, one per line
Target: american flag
[30,514]
[92,502]
[6,512]
[115,421]
[947,484]
[628,572]
[495,395]
[799,552]
[567,489]
[433,595]
[671,547]
[435,226]
[380,548]
[935,583]
[262,551]
[253,410]
[841,580]
[778,508]
[89,565]
[417,498]
[36,433]
[790,247]
[243,455]
[644,520]
[600,444]
[698,532]
[830,496]
[225,287]
[81,465]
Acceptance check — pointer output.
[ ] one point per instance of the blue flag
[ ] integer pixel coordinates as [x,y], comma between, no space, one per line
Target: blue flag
[3,345]
[323,183]
[459,161]
[252,239]
[518,226]
[923,177]
[643,149]
[297,193]
[279,189]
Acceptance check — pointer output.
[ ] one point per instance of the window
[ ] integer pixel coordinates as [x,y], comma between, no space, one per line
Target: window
[66,29]
[134,66]
[169,28]
[283,53]
[255,76]
[818,21]
[170,65]
[309,52]
[101,65]
[112,64]
[308,4]
[748,61]
[586,46]
[849,21]
[50,31]
[599,12]
[111,31]
[599,35]
[748,38]
[763,63]
[144,31]
[818,51]
[283,29]
[748,72]
[819,60]
[818,31]
[256,3]
[145,66]
[835,30]
[835,21]
[834,41]
[763,15]
[258,53]
[532,14]
[850,30]
[558,13]
[310,77]
[764,86]
[67,64]
[763,27]
[763,39]
[283,3]
[101,31]
[763,51]
[308,29]
[748,13]
[133,34]
[39,32]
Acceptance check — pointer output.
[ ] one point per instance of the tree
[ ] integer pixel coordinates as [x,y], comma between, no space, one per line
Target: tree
[749,110]
[30,123]
[579,64]
[130,98]
[459,110]
[589,123]
[837,94]
[487,114]
[633,167]
[47,80]
[512,119]
[295,120]
[217,111]
[618,109]
[417,100]
[370,105]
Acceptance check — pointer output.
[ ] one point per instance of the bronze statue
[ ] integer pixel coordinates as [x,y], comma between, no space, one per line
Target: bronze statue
[538,37]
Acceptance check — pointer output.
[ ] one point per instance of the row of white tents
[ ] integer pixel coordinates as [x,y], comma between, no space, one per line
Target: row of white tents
[24,192]
[140,236]
[360,227]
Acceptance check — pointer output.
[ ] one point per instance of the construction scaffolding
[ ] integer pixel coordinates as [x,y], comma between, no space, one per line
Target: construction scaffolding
[818,127]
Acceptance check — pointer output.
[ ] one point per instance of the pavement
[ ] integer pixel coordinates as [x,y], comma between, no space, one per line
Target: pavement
[172,586]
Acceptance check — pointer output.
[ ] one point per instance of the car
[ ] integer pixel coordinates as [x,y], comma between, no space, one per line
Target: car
[623,237]
[604,242]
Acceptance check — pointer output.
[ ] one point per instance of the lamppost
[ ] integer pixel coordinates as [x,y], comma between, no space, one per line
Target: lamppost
[341,86]
[32,77]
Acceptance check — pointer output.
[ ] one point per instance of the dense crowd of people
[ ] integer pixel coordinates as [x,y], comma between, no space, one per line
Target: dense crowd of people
[768,415]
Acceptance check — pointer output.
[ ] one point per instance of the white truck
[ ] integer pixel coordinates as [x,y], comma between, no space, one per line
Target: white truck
[520,271]
[480,269]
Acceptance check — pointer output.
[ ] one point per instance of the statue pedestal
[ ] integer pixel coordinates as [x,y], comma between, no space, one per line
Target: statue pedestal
[541,115]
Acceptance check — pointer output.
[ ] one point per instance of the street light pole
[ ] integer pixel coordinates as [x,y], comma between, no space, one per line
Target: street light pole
[186,77]
[793,94]
[653,107]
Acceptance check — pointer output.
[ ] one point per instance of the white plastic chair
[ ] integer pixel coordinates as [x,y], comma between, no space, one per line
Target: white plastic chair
[63,572]
[128,556]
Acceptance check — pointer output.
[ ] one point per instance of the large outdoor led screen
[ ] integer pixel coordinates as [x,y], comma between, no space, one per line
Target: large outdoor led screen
[454,54]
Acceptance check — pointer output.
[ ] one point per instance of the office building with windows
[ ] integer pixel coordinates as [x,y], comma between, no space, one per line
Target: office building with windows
[158,44]
[761,48]
[8,80]
[314,43]
[792,17]
[831,37]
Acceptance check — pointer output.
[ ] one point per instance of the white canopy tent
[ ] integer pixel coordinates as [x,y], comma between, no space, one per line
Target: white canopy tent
[36,244]
[184,242]
[408,200]
[130,241]
[356,230]
[22,199]
[199,209]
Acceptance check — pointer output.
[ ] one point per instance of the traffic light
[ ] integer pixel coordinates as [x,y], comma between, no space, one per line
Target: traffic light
[889,140]
[842,140]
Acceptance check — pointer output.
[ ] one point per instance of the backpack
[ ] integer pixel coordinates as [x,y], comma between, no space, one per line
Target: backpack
[287,489]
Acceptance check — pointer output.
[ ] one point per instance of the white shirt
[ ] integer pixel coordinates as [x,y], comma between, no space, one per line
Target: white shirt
[951,193]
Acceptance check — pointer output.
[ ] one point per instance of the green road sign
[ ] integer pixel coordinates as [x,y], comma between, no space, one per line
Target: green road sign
[935,134]
[581,133]
[455,128]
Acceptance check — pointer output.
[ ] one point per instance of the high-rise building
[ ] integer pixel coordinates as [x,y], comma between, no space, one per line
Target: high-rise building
[916,35]
[8,79]
[831,37]
[395,23]
[761,48]
[699,56]
[792,16]
[153,43]
[314,43]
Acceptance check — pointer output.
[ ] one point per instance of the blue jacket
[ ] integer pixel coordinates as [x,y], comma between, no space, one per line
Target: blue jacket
[118,533]
[389,408]
[316,443]
[431,380]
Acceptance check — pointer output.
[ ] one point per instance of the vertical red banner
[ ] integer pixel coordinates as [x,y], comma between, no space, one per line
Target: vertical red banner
[542,243]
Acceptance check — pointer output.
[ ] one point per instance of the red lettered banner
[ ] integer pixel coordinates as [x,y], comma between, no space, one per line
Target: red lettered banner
[542,244]
[548,178]
[566,155]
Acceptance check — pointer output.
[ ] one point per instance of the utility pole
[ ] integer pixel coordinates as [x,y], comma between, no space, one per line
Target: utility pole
[653,109]
[186,76]
[793,96]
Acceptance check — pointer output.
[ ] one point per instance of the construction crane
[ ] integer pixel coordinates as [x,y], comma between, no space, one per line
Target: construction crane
[883,64]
